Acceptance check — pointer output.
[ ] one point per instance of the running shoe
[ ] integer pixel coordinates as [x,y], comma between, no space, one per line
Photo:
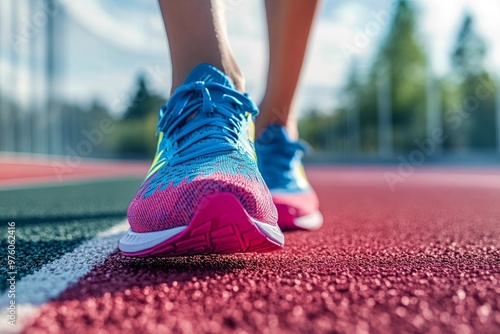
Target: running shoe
[280,162]
[204,193]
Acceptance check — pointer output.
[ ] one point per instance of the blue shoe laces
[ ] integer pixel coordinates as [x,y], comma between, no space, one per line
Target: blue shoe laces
[199,111]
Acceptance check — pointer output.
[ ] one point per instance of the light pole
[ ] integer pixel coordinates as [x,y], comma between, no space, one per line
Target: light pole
[434,118]
[498,113]
[384,108]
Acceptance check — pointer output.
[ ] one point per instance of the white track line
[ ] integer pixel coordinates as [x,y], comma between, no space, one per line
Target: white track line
[52,279]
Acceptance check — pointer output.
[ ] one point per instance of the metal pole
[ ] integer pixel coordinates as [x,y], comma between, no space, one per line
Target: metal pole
[53,117]
[498,113]
[8,104]
[23,114]
[33,103]
[434,119]
[384,107]
[41,116]
[49,63]
[13,110]
[3,105]
[354,126]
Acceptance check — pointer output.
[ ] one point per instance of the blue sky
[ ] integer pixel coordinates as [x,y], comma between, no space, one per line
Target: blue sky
[107,42]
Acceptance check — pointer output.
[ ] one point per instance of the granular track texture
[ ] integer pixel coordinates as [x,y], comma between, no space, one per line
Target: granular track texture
[422,258]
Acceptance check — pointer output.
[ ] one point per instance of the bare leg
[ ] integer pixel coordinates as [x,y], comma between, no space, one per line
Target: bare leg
[197,34]
[289,24]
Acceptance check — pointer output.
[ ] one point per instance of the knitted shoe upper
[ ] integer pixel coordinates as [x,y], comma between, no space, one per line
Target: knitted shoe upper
[204,148]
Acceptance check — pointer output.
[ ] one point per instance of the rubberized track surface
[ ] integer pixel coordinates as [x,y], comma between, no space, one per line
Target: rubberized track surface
[424,258]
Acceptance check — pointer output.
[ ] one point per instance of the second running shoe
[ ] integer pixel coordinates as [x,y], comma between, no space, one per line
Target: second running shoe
[280,162]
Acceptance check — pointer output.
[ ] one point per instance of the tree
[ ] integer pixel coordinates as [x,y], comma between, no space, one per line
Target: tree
[472,110]
[470,50]
[401,61]
[352,94]
[134,135]
[143,101]
[404,59]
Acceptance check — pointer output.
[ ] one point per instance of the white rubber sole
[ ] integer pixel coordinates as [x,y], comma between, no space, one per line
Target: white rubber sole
[312,221]
[220,226]
[135,242]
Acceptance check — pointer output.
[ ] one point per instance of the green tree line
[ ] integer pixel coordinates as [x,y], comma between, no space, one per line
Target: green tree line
[462,103]
[393,107]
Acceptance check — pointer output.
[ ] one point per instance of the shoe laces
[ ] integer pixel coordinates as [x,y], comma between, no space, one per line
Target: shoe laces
[199,111]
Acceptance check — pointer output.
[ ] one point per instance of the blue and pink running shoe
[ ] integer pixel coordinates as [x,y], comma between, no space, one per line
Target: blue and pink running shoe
[204,193]
[280,162]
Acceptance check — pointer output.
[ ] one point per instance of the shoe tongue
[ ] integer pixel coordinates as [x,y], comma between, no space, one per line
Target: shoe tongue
[208,73]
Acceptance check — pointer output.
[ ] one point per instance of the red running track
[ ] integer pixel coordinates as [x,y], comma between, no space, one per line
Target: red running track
[424,258]
[19,170]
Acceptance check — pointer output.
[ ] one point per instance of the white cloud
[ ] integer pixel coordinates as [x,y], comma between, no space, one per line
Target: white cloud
[328,61]
[248,37]
[440,31]
[325,65]
[131,35]
[486,14]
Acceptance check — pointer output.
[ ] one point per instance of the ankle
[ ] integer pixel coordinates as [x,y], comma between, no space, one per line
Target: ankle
[290,127]
[272,115]
[232,71]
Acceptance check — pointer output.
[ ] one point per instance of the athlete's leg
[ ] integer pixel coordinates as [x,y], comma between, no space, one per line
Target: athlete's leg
[289,24]
[279,153]
[197,34]
[204,192]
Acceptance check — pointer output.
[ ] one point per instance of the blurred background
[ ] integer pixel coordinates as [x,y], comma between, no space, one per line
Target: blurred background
[383,79]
